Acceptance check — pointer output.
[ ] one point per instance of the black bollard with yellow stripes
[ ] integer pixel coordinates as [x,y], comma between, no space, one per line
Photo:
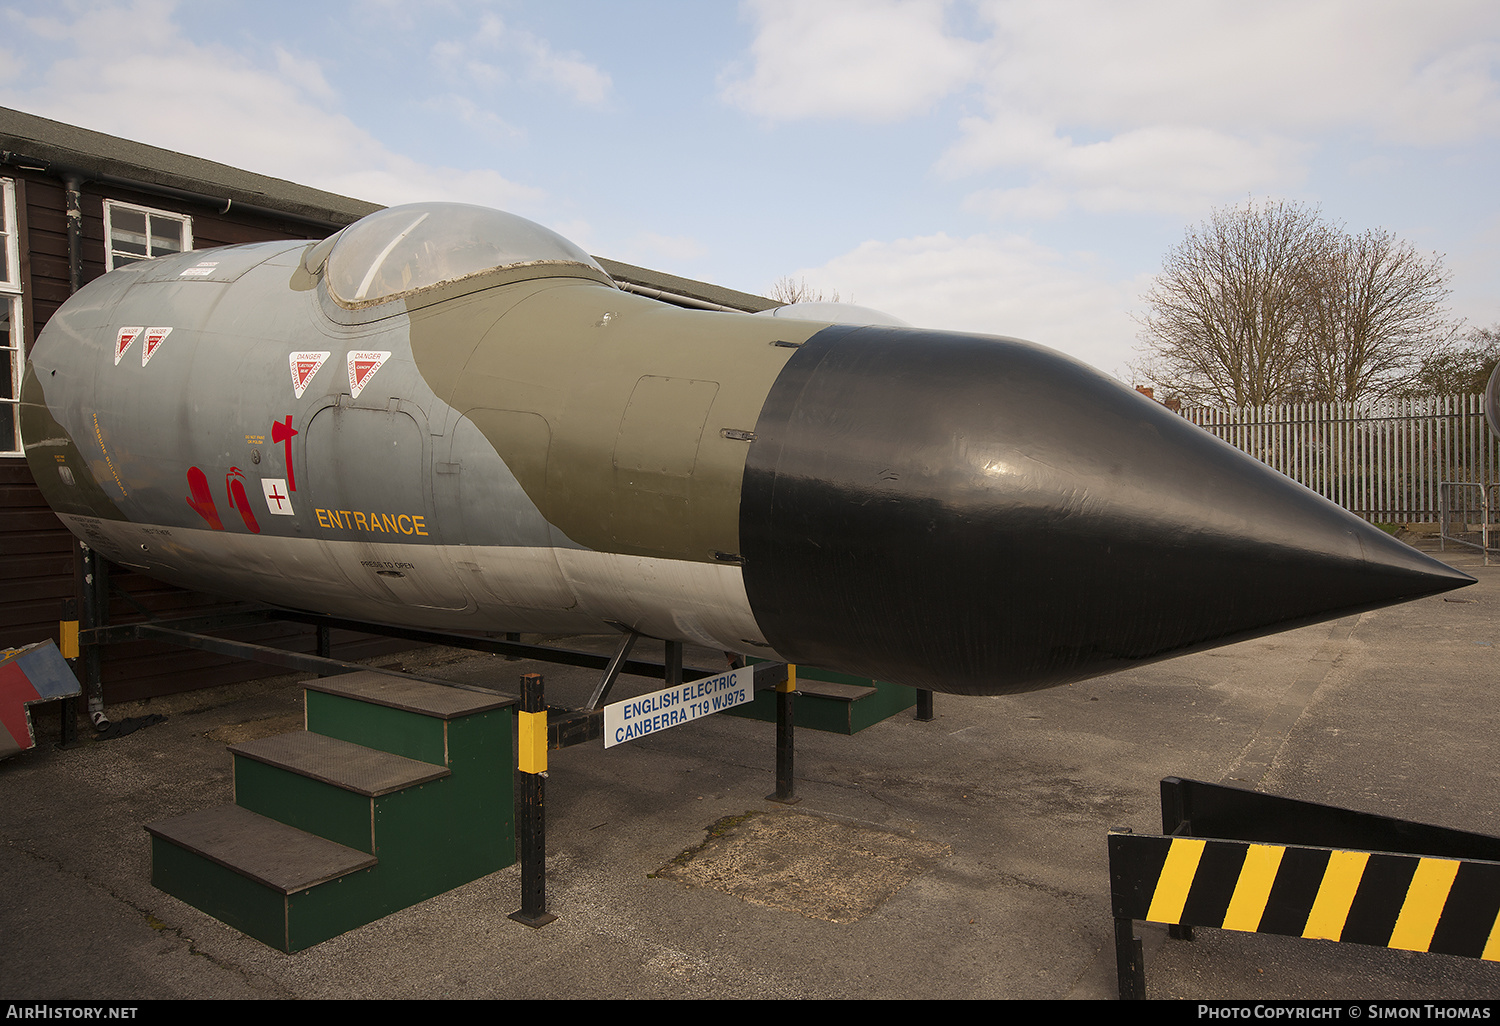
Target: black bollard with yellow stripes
[531,760]
[67,644]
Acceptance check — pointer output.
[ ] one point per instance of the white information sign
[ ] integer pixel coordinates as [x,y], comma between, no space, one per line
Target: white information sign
[637,717]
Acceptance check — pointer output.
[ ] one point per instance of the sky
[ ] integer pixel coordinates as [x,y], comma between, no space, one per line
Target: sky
[1012,168]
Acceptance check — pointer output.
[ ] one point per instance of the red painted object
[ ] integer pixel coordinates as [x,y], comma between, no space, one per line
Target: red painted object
[36,673]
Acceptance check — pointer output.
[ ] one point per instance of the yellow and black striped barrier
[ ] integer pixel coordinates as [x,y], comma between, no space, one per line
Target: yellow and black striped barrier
[1409,901]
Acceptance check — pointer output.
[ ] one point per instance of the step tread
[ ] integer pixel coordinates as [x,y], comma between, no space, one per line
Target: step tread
[834,690]
[366,771]
[413,696]
[270,853]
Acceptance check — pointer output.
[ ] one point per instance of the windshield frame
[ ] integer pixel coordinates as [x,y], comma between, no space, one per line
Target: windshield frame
[421,253]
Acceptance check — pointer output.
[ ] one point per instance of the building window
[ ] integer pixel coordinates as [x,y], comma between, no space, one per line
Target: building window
[134,233]
[12,337]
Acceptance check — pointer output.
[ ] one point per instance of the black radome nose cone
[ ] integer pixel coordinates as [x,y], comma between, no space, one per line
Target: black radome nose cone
[979,515]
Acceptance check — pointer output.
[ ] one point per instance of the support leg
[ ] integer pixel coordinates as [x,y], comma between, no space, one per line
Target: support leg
[674,664]
[1130,965]
[325,643]
[94,590]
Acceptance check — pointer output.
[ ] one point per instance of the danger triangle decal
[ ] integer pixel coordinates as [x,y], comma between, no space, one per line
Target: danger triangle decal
[362,367]
[304,366]
[123,341]
[154,338]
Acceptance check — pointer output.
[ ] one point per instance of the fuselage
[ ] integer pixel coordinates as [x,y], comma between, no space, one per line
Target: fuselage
[550,454]
[450,417]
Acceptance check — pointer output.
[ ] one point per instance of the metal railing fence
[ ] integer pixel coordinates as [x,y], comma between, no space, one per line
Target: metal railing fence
[1468,516]
[1384,461]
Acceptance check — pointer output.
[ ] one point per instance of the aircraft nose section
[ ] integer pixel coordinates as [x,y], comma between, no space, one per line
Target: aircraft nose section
[981,516]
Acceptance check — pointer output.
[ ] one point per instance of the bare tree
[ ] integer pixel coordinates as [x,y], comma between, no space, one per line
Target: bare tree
[1372,312]
[1269,303]
[788,291]
[1225,312]
[1461,370]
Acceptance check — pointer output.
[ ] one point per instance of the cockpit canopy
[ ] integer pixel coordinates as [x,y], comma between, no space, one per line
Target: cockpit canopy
[403,251]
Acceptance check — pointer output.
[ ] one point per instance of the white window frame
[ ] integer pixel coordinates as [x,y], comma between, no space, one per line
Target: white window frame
[10,295]
[184,222]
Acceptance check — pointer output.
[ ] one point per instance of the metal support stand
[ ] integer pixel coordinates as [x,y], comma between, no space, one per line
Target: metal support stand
[325,644]
[67,644]
[531,826]
[612,671]
[674,664]
[924,706]
[786,691]
[94,590]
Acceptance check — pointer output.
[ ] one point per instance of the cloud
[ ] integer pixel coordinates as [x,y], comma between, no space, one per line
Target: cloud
[675,248]
[994,284]
[130,71]
[1171,106]
[585,82]
[1176,169]
[1157,105]
[485,56]
[1415,73]
[480,121]
[871,60]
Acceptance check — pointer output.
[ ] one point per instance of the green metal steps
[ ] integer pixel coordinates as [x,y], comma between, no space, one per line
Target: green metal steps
[284,887]
[839,703]
[396,792]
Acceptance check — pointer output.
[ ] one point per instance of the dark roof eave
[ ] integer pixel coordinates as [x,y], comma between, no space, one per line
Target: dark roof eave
[28,140]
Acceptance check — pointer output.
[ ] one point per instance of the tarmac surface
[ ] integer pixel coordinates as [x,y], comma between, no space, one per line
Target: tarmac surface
[963,857]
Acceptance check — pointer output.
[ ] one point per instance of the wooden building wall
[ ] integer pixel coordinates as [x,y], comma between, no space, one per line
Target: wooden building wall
[37,554]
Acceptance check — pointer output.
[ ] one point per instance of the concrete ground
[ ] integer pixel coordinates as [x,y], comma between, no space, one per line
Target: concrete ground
[978,868]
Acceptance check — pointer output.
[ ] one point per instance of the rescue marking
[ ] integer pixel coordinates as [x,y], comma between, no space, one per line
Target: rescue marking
[123,341]
[304,367]
[637,717]
[371,523]
[362,367]
[282,431]
[154,338]
[278,501]
[202,269]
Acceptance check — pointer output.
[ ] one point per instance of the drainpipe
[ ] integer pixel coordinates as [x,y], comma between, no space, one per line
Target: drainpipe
[73,189]
[94,572]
